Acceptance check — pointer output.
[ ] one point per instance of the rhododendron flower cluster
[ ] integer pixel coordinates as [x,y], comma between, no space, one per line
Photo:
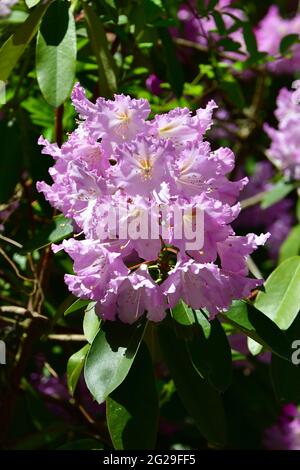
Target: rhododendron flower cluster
[285,141]
[5,7]
[117,156]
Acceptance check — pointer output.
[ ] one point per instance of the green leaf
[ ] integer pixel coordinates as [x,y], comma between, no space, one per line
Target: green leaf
[57,230]
[285,379]
[13,48]
[91,323]
[183,314]
[211,356]
[286,375]
[250,39]
[175,72]
[211,5]
[201,401]
[291,245]
[269,333]
[203,322]
[201,4]
[77,305]
[278,192]
[254,347]
[32,3]
[229,44]
[111,356]
[238,316]
[233,91]
[56,53]
[132,409]
[105,61]
[75,366]
[82,444]
[281,299]
[287,42]
[258,326]
[219,22]
[16,17]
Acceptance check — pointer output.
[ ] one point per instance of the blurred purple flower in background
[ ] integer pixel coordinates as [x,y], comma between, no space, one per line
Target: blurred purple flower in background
[285,140]
[5,7]
[285,434]
[199,29]
[58,399]
[153,84]
[269,33]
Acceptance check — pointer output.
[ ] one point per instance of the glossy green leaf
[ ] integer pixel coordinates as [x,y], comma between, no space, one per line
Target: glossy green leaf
[91,323]
[258,326]
[75,366]
[132,409]
[254,347]
[32,3]
[105,61]
[111,355]
[291,245]
[203,322]
[77,305]
[211,356]
[238,315]
[54,232]
[13,48]
[269,333]
[278,192]
[56,53]
[183,314]
[201,401]
[281,299]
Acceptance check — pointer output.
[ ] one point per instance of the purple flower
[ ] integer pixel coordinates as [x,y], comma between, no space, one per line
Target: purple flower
[269,33]
[54,389]
[285,434]
[200,29]
[151,170]
[285,140]
[153,84]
